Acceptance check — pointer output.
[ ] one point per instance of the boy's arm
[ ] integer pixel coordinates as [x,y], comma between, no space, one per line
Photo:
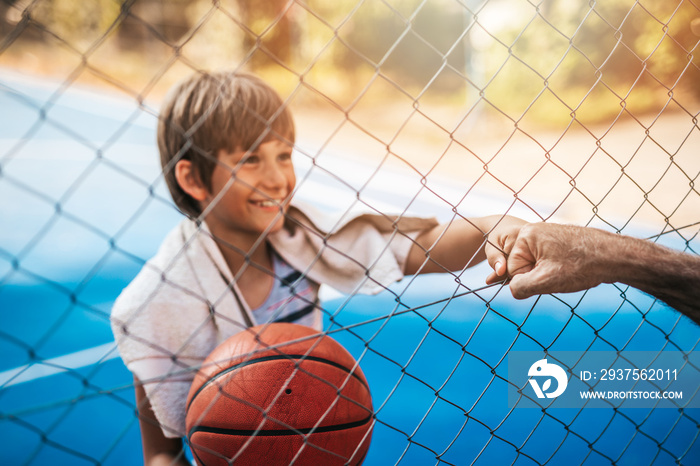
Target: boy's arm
[157,448]
[463,243]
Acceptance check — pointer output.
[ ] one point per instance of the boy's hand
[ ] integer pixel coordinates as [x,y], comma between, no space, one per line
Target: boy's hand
[501,240]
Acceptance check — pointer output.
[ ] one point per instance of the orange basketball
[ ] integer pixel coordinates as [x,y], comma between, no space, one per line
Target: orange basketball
[277,394]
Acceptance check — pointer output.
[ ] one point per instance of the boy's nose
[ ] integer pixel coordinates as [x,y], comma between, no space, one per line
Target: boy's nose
[273,176]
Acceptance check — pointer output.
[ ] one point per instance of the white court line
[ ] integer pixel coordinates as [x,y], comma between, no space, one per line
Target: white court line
[57,365]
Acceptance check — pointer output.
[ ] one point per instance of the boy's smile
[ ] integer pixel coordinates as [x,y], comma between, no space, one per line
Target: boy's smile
[250,191]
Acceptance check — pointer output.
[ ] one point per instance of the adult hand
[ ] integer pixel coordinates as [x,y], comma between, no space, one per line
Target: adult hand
[552,258]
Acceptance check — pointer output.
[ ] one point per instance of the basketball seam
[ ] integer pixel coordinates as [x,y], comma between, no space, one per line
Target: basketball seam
[277,432]
[303,357]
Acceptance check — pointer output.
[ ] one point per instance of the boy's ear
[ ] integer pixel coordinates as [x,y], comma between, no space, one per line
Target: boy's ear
[188,179]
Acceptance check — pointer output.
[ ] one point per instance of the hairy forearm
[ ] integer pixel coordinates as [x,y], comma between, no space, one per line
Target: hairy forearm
[669,275]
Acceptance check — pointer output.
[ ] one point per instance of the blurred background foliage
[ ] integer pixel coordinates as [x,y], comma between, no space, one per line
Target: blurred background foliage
[553,60]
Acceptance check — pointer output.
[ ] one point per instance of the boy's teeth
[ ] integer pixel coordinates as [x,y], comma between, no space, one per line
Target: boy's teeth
[266,203]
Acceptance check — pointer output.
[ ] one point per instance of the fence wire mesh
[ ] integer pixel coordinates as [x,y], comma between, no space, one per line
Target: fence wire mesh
[575,112]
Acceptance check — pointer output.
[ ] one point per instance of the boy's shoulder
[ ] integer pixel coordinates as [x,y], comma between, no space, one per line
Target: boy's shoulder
[163,276]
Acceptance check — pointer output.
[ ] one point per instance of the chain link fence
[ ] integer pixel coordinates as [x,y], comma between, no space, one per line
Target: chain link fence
[576,112]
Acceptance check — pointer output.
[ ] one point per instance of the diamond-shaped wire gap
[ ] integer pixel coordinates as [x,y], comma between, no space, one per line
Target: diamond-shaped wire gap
[657,427]
[88,34]
[517,161]
[457,177]
[482,129]
[44,261]
[421,364]
[446,419]
[419,143]
[547,115]
[653,26]
[519,424]
[668,62]
[325,54]
[22,291]
[628,328]
[486,401]
[384,110]
[473,441]
[671,193]
[108,197]
[549,322]
[545,439]
[625,433]
[54,451]
[44,126]
[18,20]
[321,177]
[132,73]
[550,192]
[141,27]
[273,28]
[64,56]
[27,212]
[28,116]
[78,69]
[61,213]
[51,168]
[626,196]
[510,98]
[681,437]
[64,409]
[61,402]
[593,184]
[94,398]
[448,100]
[676,133]
[686,212]
[541,46]
[684,92]
[434,50]
[375,30]
[505,28]
[320,132]
[393,411]
[457,64]
[682,338]
[565,19]
[246,44]
[46,224]
[649,165]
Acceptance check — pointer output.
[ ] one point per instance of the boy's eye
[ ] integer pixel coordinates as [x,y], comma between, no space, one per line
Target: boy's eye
[285,156]
[250,159]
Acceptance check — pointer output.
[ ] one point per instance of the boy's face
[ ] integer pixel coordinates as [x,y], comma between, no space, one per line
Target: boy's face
[253,200]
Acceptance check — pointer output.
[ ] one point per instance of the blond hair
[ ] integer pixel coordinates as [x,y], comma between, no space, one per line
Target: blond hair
[212,111]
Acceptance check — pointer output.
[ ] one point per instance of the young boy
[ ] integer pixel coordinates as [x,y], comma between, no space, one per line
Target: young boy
[247,255]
